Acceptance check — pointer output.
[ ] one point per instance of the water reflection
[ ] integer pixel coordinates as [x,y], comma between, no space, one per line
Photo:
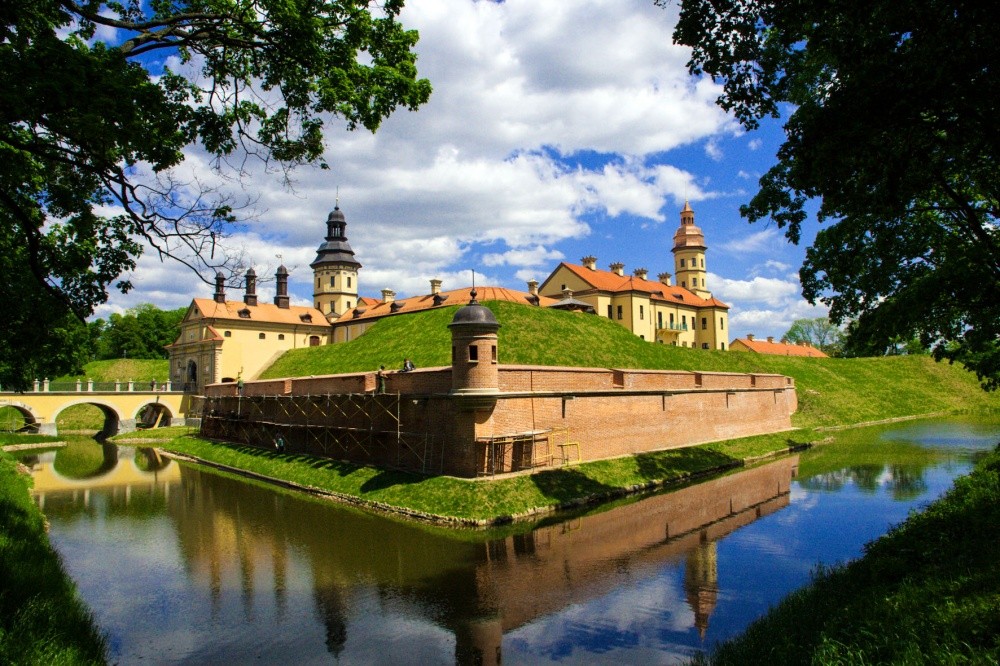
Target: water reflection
[185,566]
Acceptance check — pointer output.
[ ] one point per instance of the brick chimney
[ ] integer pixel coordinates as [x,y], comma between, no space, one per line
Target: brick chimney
[618,268]
[750,337]
[590,261]
[664,278]
[435,286]
[388,295]
[641,273]
[770,338]
[220,287]
[251,296]
[281,290]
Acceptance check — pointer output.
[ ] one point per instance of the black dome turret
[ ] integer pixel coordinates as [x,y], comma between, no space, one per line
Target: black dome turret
[336,249]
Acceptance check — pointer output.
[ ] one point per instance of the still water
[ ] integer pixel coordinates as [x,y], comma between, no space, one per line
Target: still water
[183,566]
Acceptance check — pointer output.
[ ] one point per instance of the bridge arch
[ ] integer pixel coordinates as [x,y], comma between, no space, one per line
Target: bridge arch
[152,414]
[113,420]
[30,418]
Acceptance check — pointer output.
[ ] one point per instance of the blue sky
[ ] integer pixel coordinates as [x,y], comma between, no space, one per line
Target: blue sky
[555,130]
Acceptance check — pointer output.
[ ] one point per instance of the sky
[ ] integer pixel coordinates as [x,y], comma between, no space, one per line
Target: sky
[555,130]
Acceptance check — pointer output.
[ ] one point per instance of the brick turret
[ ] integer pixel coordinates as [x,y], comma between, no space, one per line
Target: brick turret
[475,380]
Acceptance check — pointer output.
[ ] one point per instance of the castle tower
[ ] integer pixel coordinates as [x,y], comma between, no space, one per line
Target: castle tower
[689,255]
[475,377]
[335,270]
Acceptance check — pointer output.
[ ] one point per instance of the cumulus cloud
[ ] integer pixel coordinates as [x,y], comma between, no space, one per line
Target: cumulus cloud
[756,242]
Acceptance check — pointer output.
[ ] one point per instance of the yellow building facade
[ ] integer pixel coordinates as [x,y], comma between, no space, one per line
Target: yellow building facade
[222,340]
[683,314]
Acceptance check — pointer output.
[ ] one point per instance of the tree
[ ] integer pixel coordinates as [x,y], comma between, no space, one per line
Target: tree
[820,333]
[893,126]
[142,332]
[94,126]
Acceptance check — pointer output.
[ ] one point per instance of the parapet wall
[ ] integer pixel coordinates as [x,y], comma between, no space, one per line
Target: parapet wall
[540,415]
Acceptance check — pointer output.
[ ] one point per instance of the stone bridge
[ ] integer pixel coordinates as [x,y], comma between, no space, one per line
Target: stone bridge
[125,408]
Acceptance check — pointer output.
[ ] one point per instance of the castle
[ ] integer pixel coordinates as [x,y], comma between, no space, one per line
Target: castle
[223,340]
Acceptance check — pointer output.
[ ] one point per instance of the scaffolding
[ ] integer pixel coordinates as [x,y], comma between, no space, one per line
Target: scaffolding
[360,427]
[514,452]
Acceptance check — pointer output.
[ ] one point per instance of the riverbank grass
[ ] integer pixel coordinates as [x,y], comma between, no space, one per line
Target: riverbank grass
[494,500]
[42,620]
[928,592]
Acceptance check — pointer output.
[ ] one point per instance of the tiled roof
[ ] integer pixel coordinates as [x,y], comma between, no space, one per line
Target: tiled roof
[269,313]
[612,282]
[779,348]
[367,312]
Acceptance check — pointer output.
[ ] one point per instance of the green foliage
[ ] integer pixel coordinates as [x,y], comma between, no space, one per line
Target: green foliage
[142,332]
[819,332]
[928,592]
[80,418]
[834,391]
[93,126]
[892,130]
[42,620]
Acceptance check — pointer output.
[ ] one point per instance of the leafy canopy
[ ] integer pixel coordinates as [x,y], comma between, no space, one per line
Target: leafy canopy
[893,126]
[100,100]
[819,332]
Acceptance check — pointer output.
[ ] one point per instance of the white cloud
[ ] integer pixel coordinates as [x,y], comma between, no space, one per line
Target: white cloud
[756,242]
[754,144]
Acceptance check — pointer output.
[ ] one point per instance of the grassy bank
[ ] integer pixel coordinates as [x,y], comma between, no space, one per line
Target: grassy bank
[42,620]
[831,391]
[483,502]
[928,592]
[123,369]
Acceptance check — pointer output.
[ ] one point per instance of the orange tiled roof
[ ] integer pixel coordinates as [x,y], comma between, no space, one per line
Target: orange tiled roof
[612,282]
[426,302]
[270,313]
[779,348]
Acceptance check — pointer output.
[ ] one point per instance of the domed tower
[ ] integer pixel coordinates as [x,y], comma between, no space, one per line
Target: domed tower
[335,269]
[475,378]
[689,255]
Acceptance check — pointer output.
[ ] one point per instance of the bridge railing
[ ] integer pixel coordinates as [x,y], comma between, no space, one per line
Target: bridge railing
[90,386]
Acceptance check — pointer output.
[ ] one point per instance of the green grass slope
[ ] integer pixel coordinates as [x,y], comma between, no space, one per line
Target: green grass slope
[124,369]
[831,391]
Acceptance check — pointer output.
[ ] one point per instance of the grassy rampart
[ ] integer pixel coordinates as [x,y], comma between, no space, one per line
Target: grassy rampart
[928,592]
[122,369]
[831,391]
[42,620]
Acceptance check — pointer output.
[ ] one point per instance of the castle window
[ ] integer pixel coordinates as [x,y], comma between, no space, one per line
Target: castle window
[563,288]
[332,303]
[473,353]
[694,282]
[281,336]
[659,320]
[704,345]
[610,313]
[682,263]
[722,346]
[333,280]
[671,320]
[317,283]
[227,334]
[619,312]
[722,324]
[348,305]
[642,313]
[314,341]
[702,263]
[684,284]
[348,283]
[704,323]
[494,352]
[261,336]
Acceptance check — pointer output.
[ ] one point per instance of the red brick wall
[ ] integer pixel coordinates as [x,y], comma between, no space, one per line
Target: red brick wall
[606,413]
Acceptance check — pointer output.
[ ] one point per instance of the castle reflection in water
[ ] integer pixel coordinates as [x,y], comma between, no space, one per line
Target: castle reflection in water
[238,542]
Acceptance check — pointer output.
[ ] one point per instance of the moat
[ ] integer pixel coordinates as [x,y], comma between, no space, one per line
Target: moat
[181,565]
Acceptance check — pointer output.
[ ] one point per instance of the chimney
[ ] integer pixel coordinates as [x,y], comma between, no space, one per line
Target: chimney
[750,337]
[533,287]
[664,278]
[281,293]
[220,287]
[641,273]
[251,296]
[435,286]
[567,293]
[590,262]
[388,295]
[770,338]
[618,268]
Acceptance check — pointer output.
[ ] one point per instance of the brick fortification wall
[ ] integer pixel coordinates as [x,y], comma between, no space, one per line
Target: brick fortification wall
[417,425]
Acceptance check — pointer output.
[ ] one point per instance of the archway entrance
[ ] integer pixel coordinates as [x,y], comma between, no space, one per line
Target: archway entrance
[14,418]
[153,415]
[191,382]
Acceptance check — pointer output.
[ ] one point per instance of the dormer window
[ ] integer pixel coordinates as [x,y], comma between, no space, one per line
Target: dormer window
[244,313]
[395,307]
[307,318]
[439,299]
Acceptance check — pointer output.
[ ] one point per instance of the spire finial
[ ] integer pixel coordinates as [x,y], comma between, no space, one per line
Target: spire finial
[473,292]
[336,201]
